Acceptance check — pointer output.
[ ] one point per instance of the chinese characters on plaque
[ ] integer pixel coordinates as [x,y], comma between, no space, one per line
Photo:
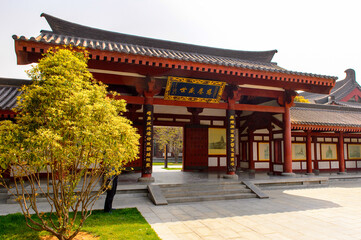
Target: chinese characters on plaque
[194,90]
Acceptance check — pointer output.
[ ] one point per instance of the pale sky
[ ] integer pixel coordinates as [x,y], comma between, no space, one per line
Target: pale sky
[321,37]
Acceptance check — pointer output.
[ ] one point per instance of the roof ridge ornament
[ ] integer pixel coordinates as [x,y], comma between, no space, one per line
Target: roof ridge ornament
[350,74]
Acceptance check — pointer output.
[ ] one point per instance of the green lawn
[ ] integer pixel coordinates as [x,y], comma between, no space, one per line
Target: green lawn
[120,224]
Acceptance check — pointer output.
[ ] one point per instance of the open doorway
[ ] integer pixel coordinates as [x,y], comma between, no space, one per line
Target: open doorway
[168,148]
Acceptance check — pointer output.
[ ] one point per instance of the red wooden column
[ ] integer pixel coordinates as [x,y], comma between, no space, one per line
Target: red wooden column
[243,155]
[147,141]
[316,169]
[244,151]
[233,96]
[250,151]
[341,154]
[287,166]
[271,160]
[231,144]
[309,153]
[149,89]
[240,144]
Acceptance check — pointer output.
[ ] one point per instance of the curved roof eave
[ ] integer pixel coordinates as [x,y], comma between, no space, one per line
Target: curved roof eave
[164,53]
[62,27]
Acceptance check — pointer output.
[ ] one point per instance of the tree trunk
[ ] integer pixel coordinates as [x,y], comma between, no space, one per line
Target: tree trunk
[60,237]
[176,157]
[166,157]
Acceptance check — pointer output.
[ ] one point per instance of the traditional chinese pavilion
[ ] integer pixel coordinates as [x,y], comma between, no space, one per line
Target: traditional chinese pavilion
[235,106]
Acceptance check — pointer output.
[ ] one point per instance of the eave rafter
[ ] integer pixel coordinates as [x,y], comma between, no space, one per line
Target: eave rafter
[4,114]
[325,128]
[30,51]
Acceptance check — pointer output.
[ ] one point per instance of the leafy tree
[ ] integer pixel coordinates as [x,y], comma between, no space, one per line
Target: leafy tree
[68,128]
[171,136]
[301,99]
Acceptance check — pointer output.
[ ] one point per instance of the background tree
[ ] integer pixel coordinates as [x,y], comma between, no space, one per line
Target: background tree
[67,127]
[301,99]
[171,136]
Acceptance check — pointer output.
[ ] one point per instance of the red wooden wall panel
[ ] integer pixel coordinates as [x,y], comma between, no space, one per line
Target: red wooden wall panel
[196,148]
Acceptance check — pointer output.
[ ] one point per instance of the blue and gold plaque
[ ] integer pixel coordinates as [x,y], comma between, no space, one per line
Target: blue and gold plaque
[193,90]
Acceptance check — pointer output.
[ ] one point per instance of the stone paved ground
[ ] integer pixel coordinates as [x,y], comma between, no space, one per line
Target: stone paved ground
[314,213]
[317,213]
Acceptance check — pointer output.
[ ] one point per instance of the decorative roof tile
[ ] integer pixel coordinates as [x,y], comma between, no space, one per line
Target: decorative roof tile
[9,91]
[325,115]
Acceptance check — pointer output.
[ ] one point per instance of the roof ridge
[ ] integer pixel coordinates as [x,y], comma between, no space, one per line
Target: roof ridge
[64,27]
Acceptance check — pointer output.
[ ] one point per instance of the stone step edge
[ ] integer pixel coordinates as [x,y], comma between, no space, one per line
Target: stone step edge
[156,196]
[290,181]
[211,198]
[255,190]
[201,183]
[200,188]
[204,193]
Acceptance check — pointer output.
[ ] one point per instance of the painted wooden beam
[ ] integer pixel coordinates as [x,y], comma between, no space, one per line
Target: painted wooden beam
[244,91]
[242,107]
[259,108]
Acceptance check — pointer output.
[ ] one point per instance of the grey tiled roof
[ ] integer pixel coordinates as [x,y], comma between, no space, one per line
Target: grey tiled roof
[49,37]
[341,89]
[328,115]
[65,28]
[9,91]
[347,104]
[65,33]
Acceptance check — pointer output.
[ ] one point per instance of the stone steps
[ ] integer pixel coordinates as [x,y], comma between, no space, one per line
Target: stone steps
[211,198]
[202,188]
[3,197]
[205,191]
[124,191]
[292,183]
